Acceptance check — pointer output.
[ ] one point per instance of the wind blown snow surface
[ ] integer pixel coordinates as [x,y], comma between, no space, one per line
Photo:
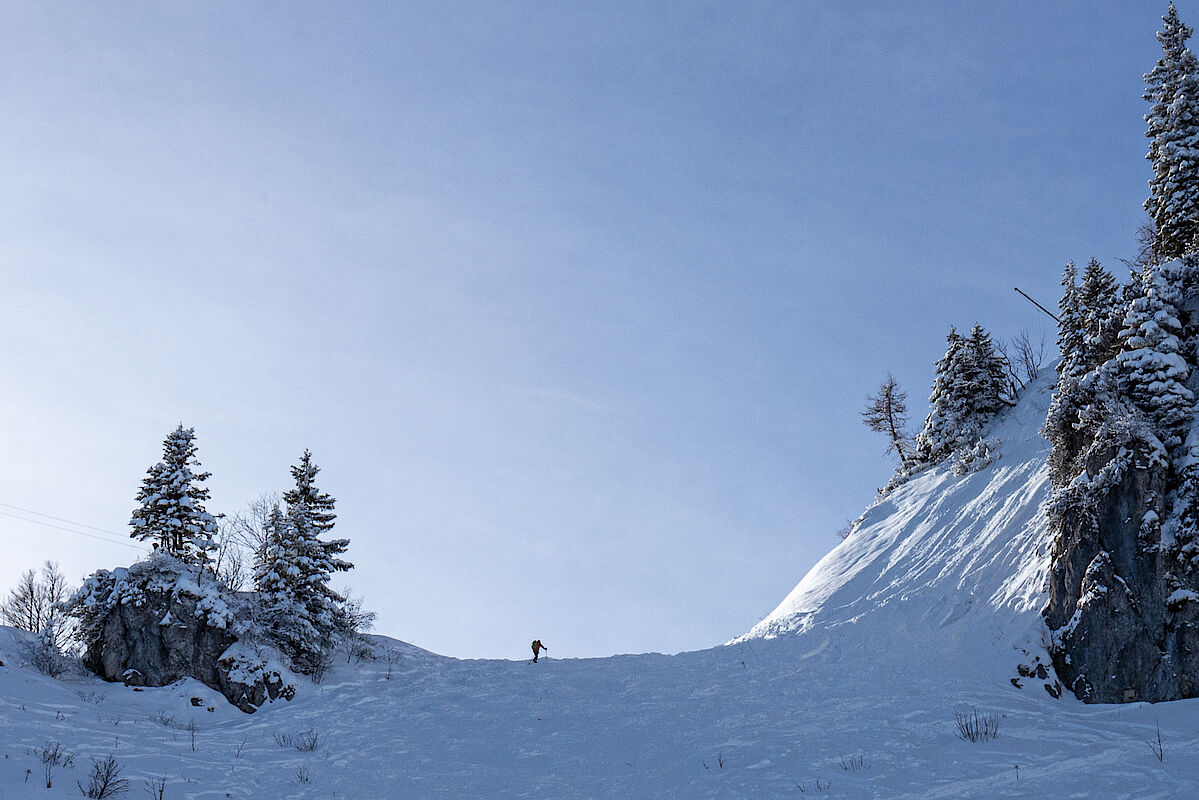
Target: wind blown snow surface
[849,689]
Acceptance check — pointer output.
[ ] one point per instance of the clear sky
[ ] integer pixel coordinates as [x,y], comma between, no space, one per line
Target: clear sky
[576,305]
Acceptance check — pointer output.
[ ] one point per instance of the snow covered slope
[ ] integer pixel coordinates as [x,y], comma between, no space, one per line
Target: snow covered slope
[946,566]
[849,689]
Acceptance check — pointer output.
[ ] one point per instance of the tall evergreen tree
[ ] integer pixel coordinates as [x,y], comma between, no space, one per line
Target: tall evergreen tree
[1101,314]
[1172,90]
[293,573]
[985,373]
[316,506]
[948,407]
[1070,339]
[969,388]
[273,562]
[1151,369]
[172,498]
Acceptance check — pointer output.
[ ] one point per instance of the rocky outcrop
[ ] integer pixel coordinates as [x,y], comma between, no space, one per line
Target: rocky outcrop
[1122,630]
[161,620]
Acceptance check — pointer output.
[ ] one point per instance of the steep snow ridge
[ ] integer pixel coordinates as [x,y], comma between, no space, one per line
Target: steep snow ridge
[943,558]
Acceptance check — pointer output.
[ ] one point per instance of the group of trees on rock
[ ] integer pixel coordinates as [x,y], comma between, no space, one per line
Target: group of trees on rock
[290,554]
[1123,398]
[973,381]
[1127,353]
[969,387]
[1124,463]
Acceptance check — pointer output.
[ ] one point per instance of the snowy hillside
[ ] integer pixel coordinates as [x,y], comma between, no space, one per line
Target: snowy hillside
[849,689]
[945,566]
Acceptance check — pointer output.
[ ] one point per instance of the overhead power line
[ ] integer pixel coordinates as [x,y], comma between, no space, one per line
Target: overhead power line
[61,519]
[110,539]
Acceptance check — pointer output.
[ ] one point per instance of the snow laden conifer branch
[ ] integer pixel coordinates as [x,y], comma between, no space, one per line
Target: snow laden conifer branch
[1151,370]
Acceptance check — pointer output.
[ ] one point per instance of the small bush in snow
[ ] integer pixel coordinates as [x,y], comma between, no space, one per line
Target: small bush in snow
[105,779]
[975,457]
[854,763]
[43,653]
[156,787]
[318,661]
[163,718]
[820,786]
[358,648]
[53,755]
[304,741]
[393,658]
[1156,746]
[975,727]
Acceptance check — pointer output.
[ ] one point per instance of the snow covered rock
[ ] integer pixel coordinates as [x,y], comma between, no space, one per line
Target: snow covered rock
[250,675]
[1107,589]
[160,620]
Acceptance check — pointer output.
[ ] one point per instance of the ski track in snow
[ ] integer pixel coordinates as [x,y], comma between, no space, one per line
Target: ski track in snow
[850,685]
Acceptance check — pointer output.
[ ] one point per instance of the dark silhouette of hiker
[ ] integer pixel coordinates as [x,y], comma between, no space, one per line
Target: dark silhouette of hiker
[537,648]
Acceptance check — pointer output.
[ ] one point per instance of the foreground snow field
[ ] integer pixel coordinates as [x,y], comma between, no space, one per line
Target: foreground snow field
[849,689]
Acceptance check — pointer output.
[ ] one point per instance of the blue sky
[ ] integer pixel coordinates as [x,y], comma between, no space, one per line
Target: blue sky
[575,306]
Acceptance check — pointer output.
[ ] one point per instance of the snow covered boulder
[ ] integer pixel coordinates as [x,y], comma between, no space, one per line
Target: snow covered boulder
[250,675]
[160,620]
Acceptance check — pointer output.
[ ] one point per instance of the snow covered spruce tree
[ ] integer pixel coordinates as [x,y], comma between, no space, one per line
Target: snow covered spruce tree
[1151,369]
[292,578]
[171,513]
[1090,318]
[970,386]
[1172,90]
[1102,314]
[1069,326]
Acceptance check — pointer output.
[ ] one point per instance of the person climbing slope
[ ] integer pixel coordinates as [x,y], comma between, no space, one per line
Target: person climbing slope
[537,648]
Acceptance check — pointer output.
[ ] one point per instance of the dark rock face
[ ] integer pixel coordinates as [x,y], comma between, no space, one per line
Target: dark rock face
[157,642]
[1121,630]
[159,621]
